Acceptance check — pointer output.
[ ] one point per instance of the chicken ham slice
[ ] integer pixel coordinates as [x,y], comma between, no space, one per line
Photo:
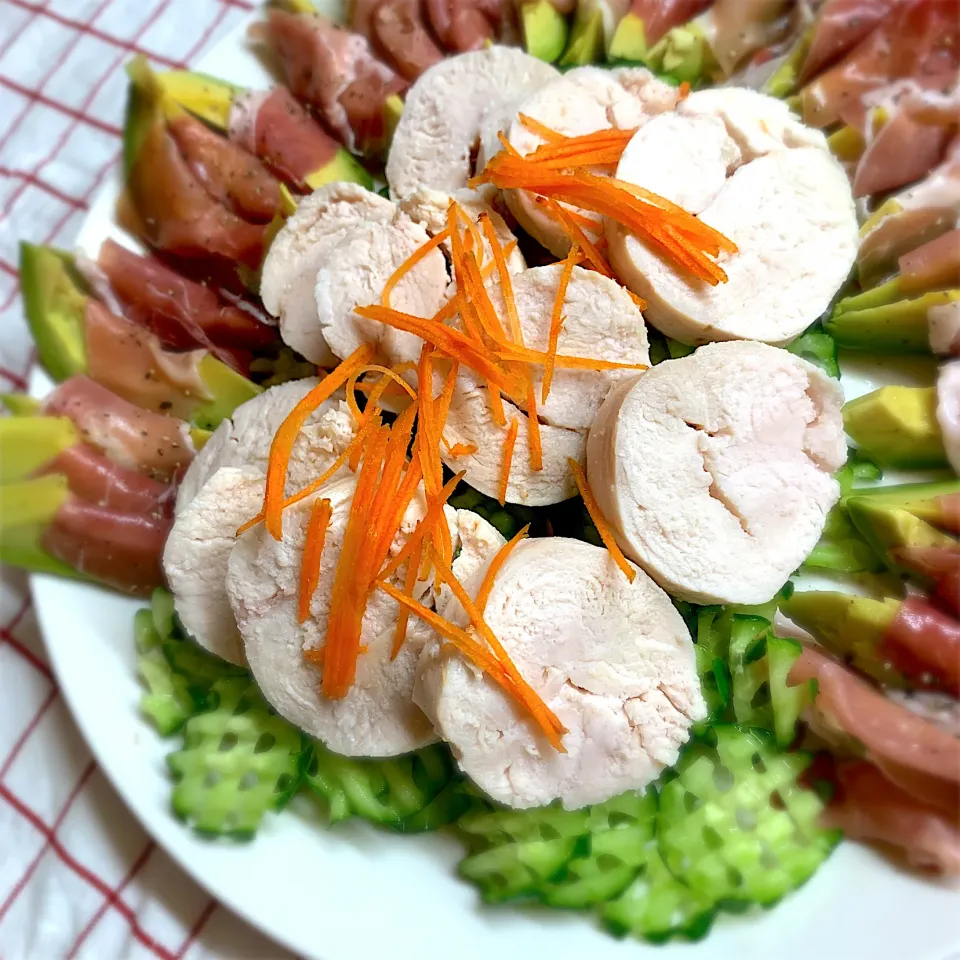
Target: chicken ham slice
[612,659]
[244,440]
[377,717]
[743,165]
[715,471]
[439,131]
[306,241]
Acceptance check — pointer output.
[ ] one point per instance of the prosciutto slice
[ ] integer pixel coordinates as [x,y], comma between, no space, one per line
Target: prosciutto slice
[169,208]
[400,32]
[870,807]
[151,443]
[122,550]
[132,363]
[851,714]
[228,173]
[923,643]
[282,134]
[99,480]
[932,265]
[183,313]
[661,16]
[335,72]
[465,25]
[919,40]
[942,566]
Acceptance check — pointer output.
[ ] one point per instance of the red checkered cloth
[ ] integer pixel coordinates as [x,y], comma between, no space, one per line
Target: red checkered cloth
[78,876]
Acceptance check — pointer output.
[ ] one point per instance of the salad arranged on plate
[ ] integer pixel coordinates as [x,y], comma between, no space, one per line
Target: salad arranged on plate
[514,498]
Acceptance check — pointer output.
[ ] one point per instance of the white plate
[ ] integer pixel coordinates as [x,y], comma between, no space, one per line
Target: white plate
[355,893]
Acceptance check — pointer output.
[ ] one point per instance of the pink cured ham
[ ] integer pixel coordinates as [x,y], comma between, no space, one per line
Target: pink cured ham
[869,807]
[661,16]
[939,564]
[919,40]
[183,313]
[400,32]
[465,25]
[169,208]
[99,480]
[923,643]
[132,363]
[334,71]
[848,712]
[932,265]
[152,443]
[839,27]
[123,550]
[228,173]
[886,165]
[282,134]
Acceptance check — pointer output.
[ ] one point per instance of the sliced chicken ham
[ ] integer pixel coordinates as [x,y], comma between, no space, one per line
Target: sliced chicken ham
[743,165]
[245,439]
[306,241]
[434,144]
[715,471]
[400,30]
[152,443]
[612,659]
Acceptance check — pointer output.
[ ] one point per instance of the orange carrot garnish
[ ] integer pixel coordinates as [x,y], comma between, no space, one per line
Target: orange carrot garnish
[556,320]
[461,450]
[499,559]
[600,148]
[577,236]
[540,129]
[684,90]
[534,440]
[508,444]
[312,552]
[409,585]
[411,262]
[286,436]
[639,301]
[564,361]
[593,508]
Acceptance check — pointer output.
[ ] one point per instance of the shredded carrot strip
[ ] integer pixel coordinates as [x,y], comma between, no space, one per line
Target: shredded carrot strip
[411,262]
[684,90]
[639,301]
[601,148]
[393,373]
[540,129]
[678,235]
[434,512]
[577,236]
[564,361]
[546,719]
[461,450]
[286,436]
[511,150]
[556,321]
[312,552]
[506,282]
[428,445]
[449,341]
[593,508]
[508,444]
[409,585]
[499,559]
[534,440]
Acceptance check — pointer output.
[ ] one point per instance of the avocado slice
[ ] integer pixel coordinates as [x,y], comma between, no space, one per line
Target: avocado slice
[227,389]
[847,144]
[20,404]
[294,6]
[545,30]
[785,79]
[204,96]
[897,427]
[881,296]
[851,627]
[144,109]
[54,301]
[683,55]
[887,528]
[898,327]
[629,40]
[26,508]
[923,500]
[344,166]
[27,443]
[586,41]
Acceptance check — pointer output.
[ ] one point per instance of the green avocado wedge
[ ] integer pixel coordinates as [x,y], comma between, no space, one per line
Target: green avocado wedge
[204,96]
[930,502]
[897,427]
[27,443]
[586,41]
[629,40]
[54,301]
[545,30]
